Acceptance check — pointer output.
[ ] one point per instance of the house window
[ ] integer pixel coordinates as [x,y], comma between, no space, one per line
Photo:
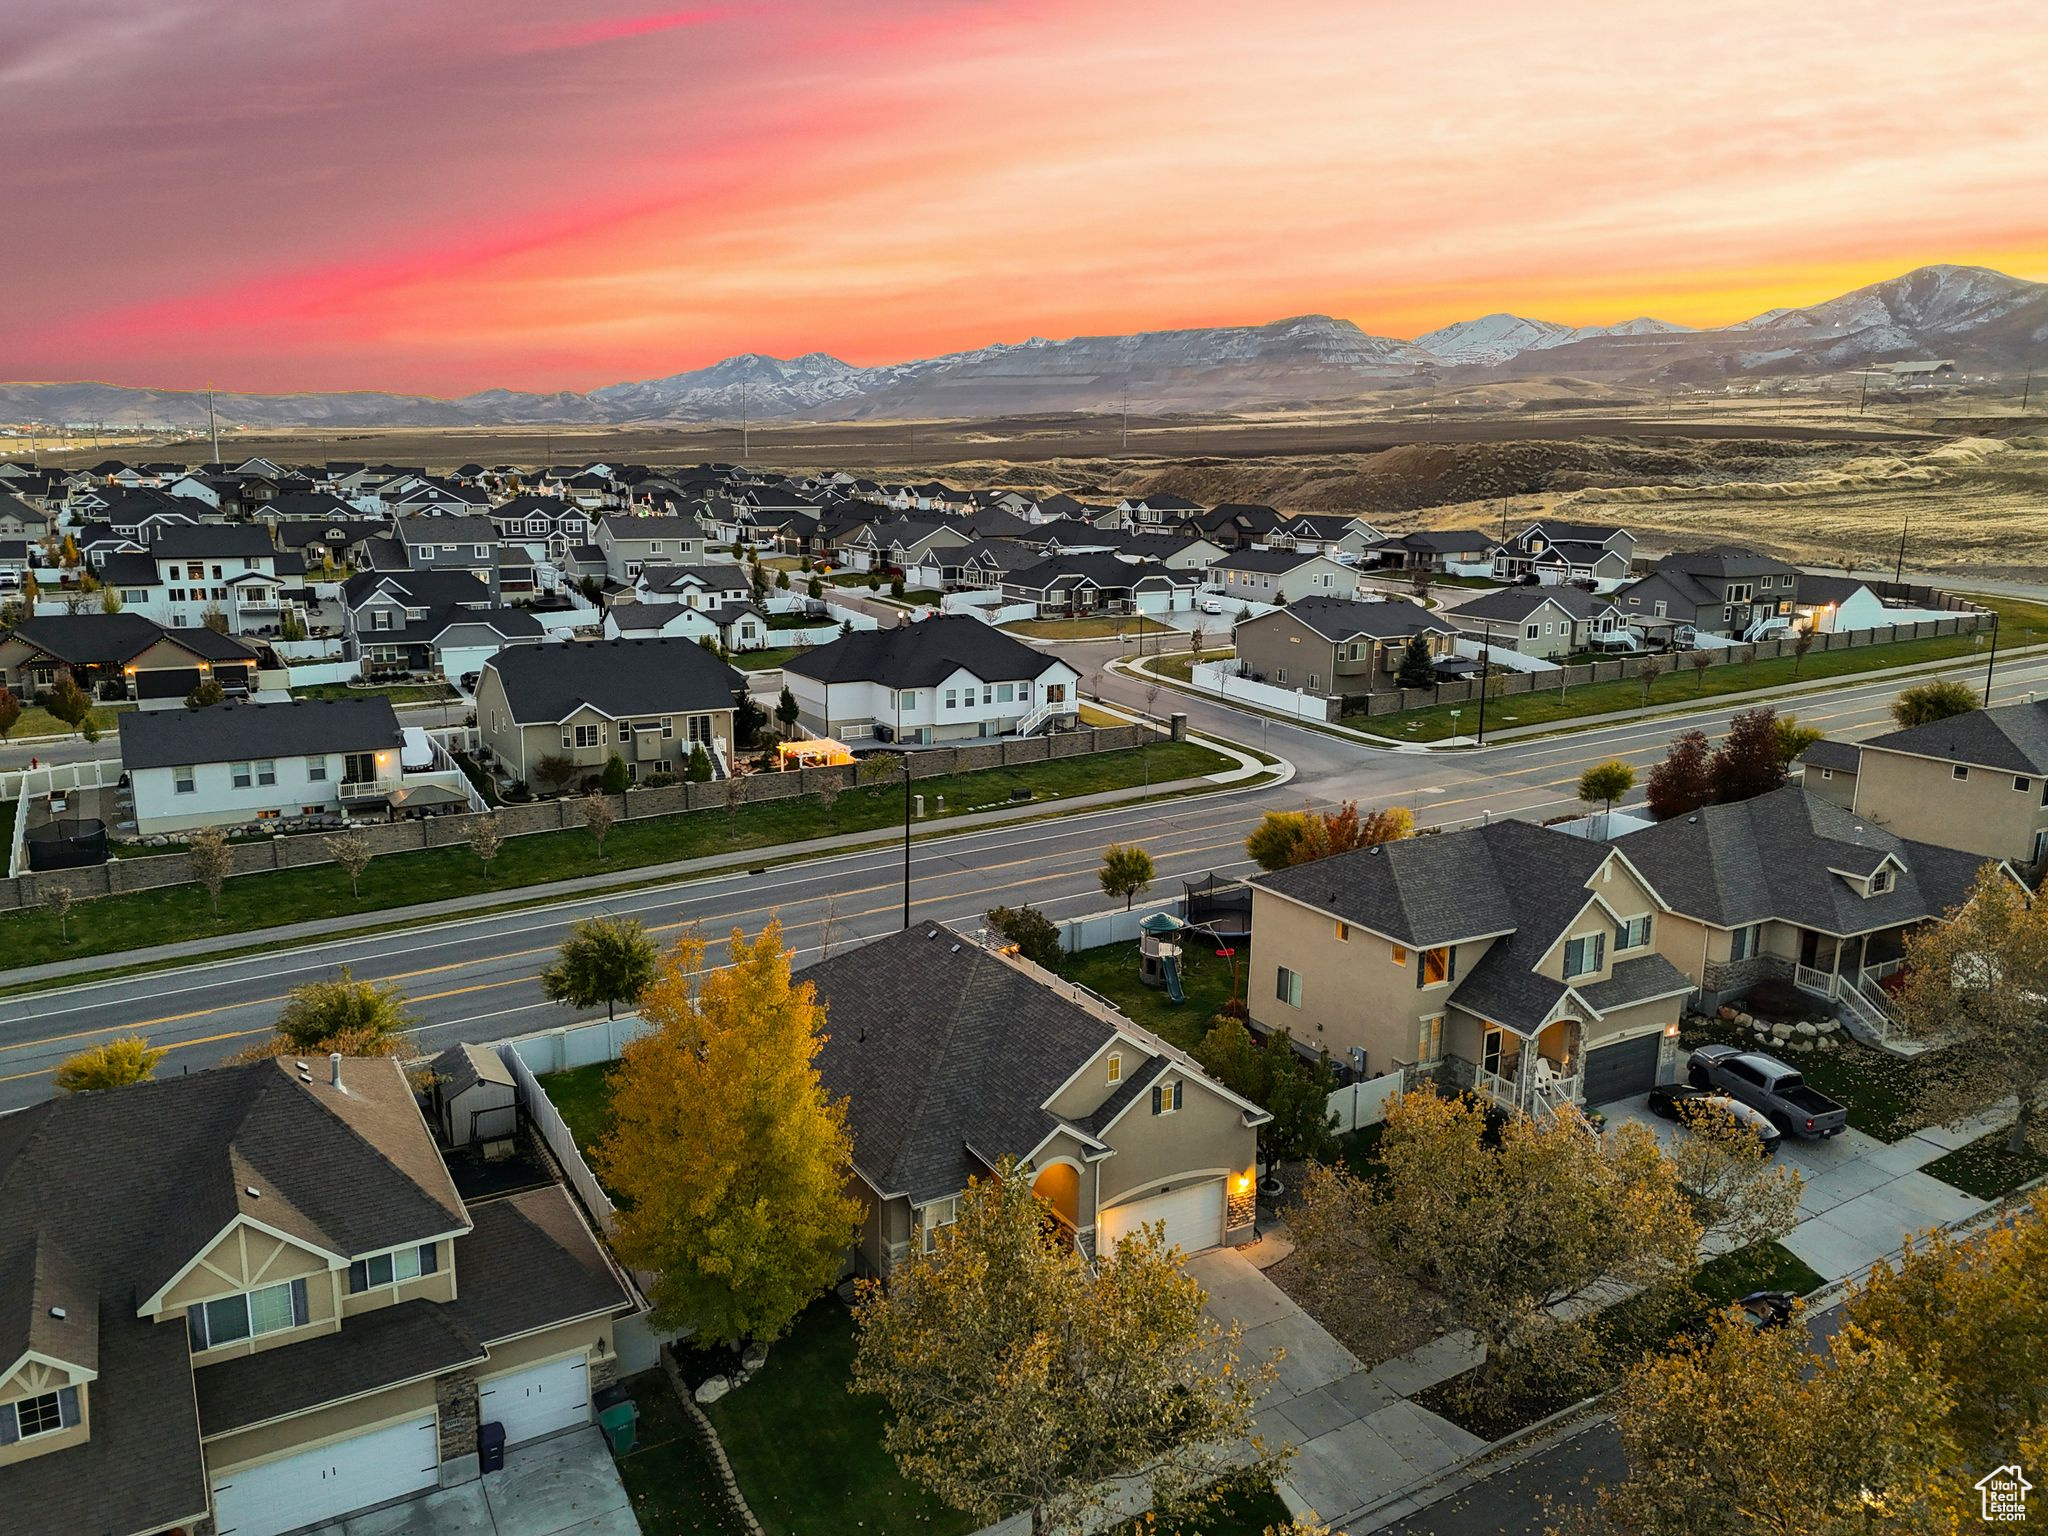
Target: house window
[1116,1066]
[1532,631]
[41,1415]
[241,773]
[316,770]
[668,727]
[1429,1040]
[249,1315]
[952,698]
[1166,1097]
[182,782]
[1434,967]
[266,772]
[1400,952]
[1583,955]
[1287,987]
[1882,881]
[1343,932]
[584,736]
[2022,784]
[390,1268]
[1959,772]
[939,1214]
[1745,943]
[1633,934]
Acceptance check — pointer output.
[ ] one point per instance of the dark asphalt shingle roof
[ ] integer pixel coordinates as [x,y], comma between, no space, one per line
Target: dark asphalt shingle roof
[84,639]
[529,1261]
[2013,737]
[922,655]
[416,589]
[211,541]
[1272,561]
[657,676]
[1836,756]
[1338,619]
[1773,858]
[233,733]
[1515,604]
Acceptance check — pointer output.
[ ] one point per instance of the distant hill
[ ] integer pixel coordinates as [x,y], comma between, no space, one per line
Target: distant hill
[1979,317]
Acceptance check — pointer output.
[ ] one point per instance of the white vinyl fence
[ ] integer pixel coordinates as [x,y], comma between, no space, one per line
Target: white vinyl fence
[1219,680]
[1364,1103]
[1099,928]
[303,673]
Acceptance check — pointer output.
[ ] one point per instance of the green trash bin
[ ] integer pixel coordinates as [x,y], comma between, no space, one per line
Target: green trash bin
[620,1425]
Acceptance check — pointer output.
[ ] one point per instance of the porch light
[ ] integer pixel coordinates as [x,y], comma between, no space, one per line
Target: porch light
[1244,1183]
[1671,1030]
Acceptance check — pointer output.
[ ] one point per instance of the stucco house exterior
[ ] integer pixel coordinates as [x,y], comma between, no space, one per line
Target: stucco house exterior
[649,701]
[123,655]
[1280,575]
[940,680]
[1977,781]
[1335,646]
[254,1296]
[1546,622]
[953,1057]
[1518,962]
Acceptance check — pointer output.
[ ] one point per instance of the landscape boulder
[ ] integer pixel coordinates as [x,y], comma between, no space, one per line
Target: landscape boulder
[713,1389]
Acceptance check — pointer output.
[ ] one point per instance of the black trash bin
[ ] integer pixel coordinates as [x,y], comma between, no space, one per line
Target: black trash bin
[490,1447]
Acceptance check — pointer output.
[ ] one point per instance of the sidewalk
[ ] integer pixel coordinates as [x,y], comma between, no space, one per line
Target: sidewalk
[526,898]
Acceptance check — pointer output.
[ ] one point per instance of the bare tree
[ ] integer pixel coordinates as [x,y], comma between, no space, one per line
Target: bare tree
[1700,660]
[1648,670]
[211,861]
[1418,582]
[827,790]
[58,904]
[486,837]
[828,924]
[1198,638]
[598,817]
[735,797]
[351,850]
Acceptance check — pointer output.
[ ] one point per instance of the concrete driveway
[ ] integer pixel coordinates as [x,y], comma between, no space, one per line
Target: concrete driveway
[1358,1437]
[566,1485]
[1863,1197]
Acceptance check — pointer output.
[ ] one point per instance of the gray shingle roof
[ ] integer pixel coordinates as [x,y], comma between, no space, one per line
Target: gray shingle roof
[86,639]
[1773,857]
[1836,756]
[1339,619]
[922,655]
[234,733]
[2013,737]
[1514,604]
[212,541]
[658,676]
[529,1261]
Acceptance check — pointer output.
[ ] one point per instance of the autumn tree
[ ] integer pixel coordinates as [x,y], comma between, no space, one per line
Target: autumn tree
[351,850]
[68,702]
[10,711]
[1452,1235]
[1016,1375]
[1938,699]
[1801,644]
[1198,641]
[211,861]
[608,960]
[113,1064]
[1679,785]
[1978,985]
[1279,1079]
[554,770]
[1036,936]
[1604,783]
[1740,1193]
[486,837]
[1272,842]
[1746,764]
[1347,829]
[730,1161]
[207,693]
[1791,738]
[339,1014]
[1126,871]
[598,817]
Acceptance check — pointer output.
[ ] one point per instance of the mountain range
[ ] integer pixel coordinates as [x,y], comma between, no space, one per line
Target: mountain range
[1981,318]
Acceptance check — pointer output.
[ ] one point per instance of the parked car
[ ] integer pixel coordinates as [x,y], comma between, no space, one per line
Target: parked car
[1678,1101]
[1212,605]
[1768,1084]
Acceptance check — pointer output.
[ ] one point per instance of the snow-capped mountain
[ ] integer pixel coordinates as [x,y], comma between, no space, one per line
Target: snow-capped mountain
[1980,317]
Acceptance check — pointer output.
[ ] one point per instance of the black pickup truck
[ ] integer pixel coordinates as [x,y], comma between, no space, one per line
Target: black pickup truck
[1766,1083]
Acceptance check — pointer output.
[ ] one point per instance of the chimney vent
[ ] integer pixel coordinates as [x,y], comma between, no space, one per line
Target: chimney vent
[57,1313]
[334,1070]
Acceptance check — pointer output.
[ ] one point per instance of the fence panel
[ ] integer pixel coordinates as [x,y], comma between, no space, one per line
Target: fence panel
[1218,680]
[554,1130]
[1364,1103]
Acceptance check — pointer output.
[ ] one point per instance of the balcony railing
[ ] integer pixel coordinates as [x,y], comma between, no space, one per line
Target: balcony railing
[368,789]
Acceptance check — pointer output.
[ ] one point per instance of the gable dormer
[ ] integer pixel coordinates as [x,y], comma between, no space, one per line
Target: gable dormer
[1879,880]
[53,1313]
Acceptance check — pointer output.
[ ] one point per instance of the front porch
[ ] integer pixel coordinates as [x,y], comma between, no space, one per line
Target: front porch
[1850,972]
[1536,1074]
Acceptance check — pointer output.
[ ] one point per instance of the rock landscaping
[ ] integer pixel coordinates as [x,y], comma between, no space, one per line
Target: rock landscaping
[1798,1036]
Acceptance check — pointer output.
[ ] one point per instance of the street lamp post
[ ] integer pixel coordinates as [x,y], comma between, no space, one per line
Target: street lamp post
[905,754]
[1992,660]
[1484,674]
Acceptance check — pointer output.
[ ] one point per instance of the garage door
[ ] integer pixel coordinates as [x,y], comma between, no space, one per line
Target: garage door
[1623,1070]
[537,1400]
[1193,1217]
[313,1486]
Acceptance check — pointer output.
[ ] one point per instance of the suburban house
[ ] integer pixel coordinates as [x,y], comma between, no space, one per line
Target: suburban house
[1735,593]
[1828,769]
[631,544]
[651,702]
[1337,645]
[709,587]
[327,541]
[1510,959]
[379,603]
[1234,525]
[254,1296]
[1841,604]
[1560,553]
[122,656]
[1976,781]
[1549,622]
[19,520]
[1277,575]
[552,524]
[1329,533]
[1794,887]
[230,568]
[953,1058]
[450,641]
[941,680]
[1457,551]
[1062,586]
[237,765]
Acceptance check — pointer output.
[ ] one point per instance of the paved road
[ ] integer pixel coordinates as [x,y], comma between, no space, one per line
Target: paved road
[477,979]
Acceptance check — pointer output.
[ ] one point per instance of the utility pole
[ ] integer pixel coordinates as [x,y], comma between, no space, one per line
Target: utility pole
[1899,566]
[1485,664]
[906,835]
[2027,389]
[1864,398]
[212,424]
[1992,661]
[1126,428]
[746,429]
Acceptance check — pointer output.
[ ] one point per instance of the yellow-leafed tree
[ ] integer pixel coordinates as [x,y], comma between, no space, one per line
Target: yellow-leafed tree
[730,1161]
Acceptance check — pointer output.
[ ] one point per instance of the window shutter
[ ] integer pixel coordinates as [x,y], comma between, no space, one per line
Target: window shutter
[430,1258]
[10,1426]
[1176,1094]
[1155,1099]
[1599,950]
[195,1319]
[1418,966]
[1451,962]
[359,1276]
[300,1314]
[67,1407]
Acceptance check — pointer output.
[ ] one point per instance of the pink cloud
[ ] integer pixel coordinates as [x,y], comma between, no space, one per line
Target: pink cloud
[617,29]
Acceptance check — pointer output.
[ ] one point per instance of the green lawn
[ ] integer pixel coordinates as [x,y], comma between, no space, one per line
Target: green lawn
[397,693]
[1987,1168]
[767,660]
[114,924]
[36,721]
[1112,970]
[1181,667]
[583,1095]
[668,1474]
[1105,628]
[808,1454]
[2020,623]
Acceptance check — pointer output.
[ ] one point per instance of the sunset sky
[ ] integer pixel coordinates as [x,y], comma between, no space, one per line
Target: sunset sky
[448,195]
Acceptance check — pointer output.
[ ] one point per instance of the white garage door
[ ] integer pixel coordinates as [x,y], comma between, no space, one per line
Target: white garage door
[313,1486]
[537,1400]
[1193,1217]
